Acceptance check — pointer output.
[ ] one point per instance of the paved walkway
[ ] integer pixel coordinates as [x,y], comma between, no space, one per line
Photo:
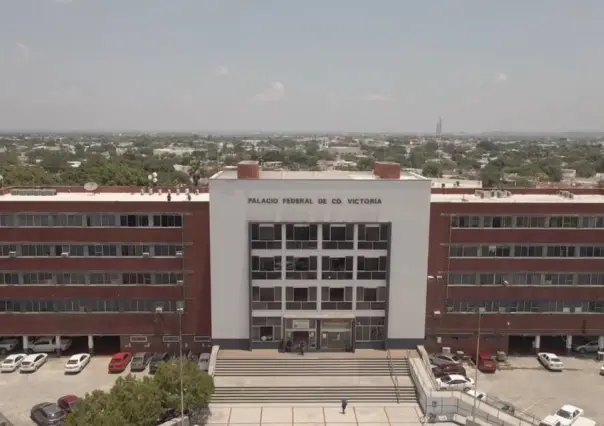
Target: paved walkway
[314,415]
[274,354]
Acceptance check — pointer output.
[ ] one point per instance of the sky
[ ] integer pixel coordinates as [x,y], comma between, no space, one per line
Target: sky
[306,66]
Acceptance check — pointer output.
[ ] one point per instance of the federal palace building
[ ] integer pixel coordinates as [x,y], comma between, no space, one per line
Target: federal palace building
[338,260]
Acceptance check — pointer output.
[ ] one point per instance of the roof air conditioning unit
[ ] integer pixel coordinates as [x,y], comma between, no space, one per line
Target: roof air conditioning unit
[12,254]
[179,282]
[578,309]
[565,310]
[146,255]
[493,193]
[483,195]
[179,254]
[65,254]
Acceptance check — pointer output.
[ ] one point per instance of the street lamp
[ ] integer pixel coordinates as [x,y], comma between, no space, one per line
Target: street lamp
[180,308]
[479,311]
[152,179]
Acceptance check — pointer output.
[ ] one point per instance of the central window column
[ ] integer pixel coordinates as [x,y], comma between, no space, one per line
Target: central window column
[319,264]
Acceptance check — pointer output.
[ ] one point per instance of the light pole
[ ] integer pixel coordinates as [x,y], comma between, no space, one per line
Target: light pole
[152,179]
[480,311]
[180,308]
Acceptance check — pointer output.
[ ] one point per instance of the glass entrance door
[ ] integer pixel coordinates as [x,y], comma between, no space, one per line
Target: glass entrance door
[336,335]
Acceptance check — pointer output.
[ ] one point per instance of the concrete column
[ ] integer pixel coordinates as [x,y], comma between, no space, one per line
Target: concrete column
[356,237]
[90,344]
[569,343]
[58,344]
[601,343]
[537,343]
[25,343]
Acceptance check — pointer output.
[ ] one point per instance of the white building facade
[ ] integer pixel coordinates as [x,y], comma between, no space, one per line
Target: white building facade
[337,260]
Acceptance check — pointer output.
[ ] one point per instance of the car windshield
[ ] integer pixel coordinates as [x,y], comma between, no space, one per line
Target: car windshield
[115,360]
[446,379]
[564,414]
[455,358]
[8,361]
[137,359]
[554,359]
[26,362]
[72,362]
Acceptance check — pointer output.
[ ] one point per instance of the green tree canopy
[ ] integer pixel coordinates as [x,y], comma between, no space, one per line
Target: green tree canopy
[198,386]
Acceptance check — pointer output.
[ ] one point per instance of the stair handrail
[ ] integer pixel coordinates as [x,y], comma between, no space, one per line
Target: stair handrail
[393,376]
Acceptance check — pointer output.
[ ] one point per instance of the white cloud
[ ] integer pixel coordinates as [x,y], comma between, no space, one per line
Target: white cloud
[502,77]
[23,50]
[273,94]
[378,97]
[222,70]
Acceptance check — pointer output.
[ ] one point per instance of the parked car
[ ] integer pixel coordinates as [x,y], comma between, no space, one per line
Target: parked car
[167,415]
[68,402]
[567,414]
[48,345]
[8,345]
[156,359]
[12,362]
[485,363]
[140,361]
[589,347]
[119,362]
[443,370]
[47,414]
[454,382]
[550,361]
[77,363]
[479,395]
[443,359]
[204,362]
[32,363]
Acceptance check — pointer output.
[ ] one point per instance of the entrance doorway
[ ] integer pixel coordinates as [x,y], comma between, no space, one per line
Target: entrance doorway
[299,337]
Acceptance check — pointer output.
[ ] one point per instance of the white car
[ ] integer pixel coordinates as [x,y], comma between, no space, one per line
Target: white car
[48,345]
[7,345]
[454,382]
[602,370]
[12,362]
[550,361]
[567,414]
[476,394]
[589,347]
[31,363]
[76,363]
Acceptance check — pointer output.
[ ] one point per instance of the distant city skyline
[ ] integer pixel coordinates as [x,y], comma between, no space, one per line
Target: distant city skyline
[389,66]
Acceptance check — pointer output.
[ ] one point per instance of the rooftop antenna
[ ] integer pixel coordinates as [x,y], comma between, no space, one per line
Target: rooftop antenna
[91,186]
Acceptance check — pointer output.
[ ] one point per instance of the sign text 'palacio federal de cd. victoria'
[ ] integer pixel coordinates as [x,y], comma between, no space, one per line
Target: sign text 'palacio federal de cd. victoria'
[290,200]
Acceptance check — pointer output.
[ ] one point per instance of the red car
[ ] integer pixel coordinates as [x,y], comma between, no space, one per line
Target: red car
[445,370]
[485,363]
[67,402]
[119,362]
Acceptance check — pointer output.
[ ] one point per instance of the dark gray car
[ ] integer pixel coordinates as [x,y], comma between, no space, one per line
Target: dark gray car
[47,414]
[140,361]
[156,359]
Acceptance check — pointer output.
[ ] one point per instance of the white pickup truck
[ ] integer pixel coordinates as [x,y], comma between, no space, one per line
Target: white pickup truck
[555,421]
[48,345]
[8,345]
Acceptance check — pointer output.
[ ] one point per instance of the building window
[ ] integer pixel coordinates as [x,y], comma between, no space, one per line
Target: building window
[301,268]
[167,221]
[301,298]
[461,250]
[528,251]
[560,251]
[34,278]
[530,222]
[496,251]
[8,250]
[338,236]
[370,329]
[525,306]
[372,268]
[563,222]
[373,236]
[266,236]
[105,250]
[7,220]
[266,298]
[85,305]
[164,250]
[336,298]
[266,268]
[465,221]
[337,268]
[458,278]
[136,278]
[497,222]
[266,329]
[9,278]
[591,251]
[134,220]
[301,236]
[592,222]
[71,278]
[100,220]
[371,299]
[104,278]
[559,279]
[168,278]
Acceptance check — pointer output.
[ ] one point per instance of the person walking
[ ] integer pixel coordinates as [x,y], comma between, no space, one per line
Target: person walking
[344,405]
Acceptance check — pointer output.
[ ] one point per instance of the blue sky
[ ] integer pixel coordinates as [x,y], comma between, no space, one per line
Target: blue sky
[343,65]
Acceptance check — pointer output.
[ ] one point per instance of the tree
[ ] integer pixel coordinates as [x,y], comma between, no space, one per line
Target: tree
[432,169]
[198,386]
[130,402]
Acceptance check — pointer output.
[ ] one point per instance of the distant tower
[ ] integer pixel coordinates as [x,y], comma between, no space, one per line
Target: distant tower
[439,126]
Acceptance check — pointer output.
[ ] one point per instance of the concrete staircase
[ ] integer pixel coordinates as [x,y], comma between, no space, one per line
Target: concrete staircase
[308,366]
[313,394]
[313,378]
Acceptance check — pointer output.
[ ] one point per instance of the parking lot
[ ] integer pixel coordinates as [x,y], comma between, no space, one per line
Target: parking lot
[523,382]
[21,391]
